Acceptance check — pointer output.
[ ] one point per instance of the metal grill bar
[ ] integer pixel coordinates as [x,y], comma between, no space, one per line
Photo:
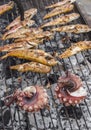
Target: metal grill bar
[72,110]
[39,79]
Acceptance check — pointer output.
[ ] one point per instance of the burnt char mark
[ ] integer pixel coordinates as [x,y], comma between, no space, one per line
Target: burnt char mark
[70,111]
[52,78]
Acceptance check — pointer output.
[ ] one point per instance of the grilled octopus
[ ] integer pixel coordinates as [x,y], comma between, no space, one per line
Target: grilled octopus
[59,4]
[69,89]
[30,99]
[75,48]
[59,10]
[6,7]
[77,28]
[34,55]
[28,14]
[62,20]
[31,66]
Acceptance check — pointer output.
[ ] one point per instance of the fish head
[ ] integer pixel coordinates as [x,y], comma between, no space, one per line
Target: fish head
[30,13]
[29,23]
[72,1]
[11,4]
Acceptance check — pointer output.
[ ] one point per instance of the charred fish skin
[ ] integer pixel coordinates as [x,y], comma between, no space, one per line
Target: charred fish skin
[75,48]
[34,55]
[31,66]
[77,28]
[59,10]
[6,7]
[61,3]
[28,14]
[62,20]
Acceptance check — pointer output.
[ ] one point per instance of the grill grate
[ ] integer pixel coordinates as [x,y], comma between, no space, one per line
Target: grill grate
[58,117]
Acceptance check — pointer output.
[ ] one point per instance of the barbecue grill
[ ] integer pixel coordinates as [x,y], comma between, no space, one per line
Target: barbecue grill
[56,116]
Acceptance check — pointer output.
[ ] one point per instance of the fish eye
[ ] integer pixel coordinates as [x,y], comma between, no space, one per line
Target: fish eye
[48,58]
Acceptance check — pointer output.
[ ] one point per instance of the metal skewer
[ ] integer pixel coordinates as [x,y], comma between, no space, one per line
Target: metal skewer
[20,8]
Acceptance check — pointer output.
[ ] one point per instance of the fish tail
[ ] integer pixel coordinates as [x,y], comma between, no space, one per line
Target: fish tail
[12,67]
[1,36]
[3,57]
[11,4]
[4,37]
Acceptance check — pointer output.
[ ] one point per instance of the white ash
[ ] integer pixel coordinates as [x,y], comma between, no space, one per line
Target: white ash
[34,128]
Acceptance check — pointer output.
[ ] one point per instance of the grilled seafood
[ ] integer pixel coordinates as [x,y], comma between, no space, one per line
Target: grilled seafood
[27,16]
[33,33]
[59,10]
[78,28]
[75,48]
[21,32]
[18,24]
[24,23]
[29,13]
[30,99]
[60,4]
[18,45]
[37,41]
[34,55]
[6,7]
[62,20]
[44,35]
[31,66]
[70,89]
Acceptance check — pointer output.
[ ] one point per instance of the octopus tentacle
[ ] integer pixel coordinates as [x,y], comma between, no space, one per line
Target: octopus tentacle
[31,99]
[69,89]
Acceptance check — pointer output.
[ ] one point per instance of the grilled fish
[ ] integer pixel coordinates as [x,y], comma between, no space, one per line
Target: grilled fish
[62,20]
[59,10]
[29,13]
[32,33]
[44,35]
[37,41]
[25,23]
[18,45]
[77,28]
[31,66]
[61,3]
[34,55]
[75,48]
[27,16]
[6,7]
[21,32]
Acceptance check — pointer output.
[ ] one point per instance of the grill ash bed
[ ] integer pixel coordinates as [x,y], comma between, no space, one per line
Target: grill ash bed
[56,116]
